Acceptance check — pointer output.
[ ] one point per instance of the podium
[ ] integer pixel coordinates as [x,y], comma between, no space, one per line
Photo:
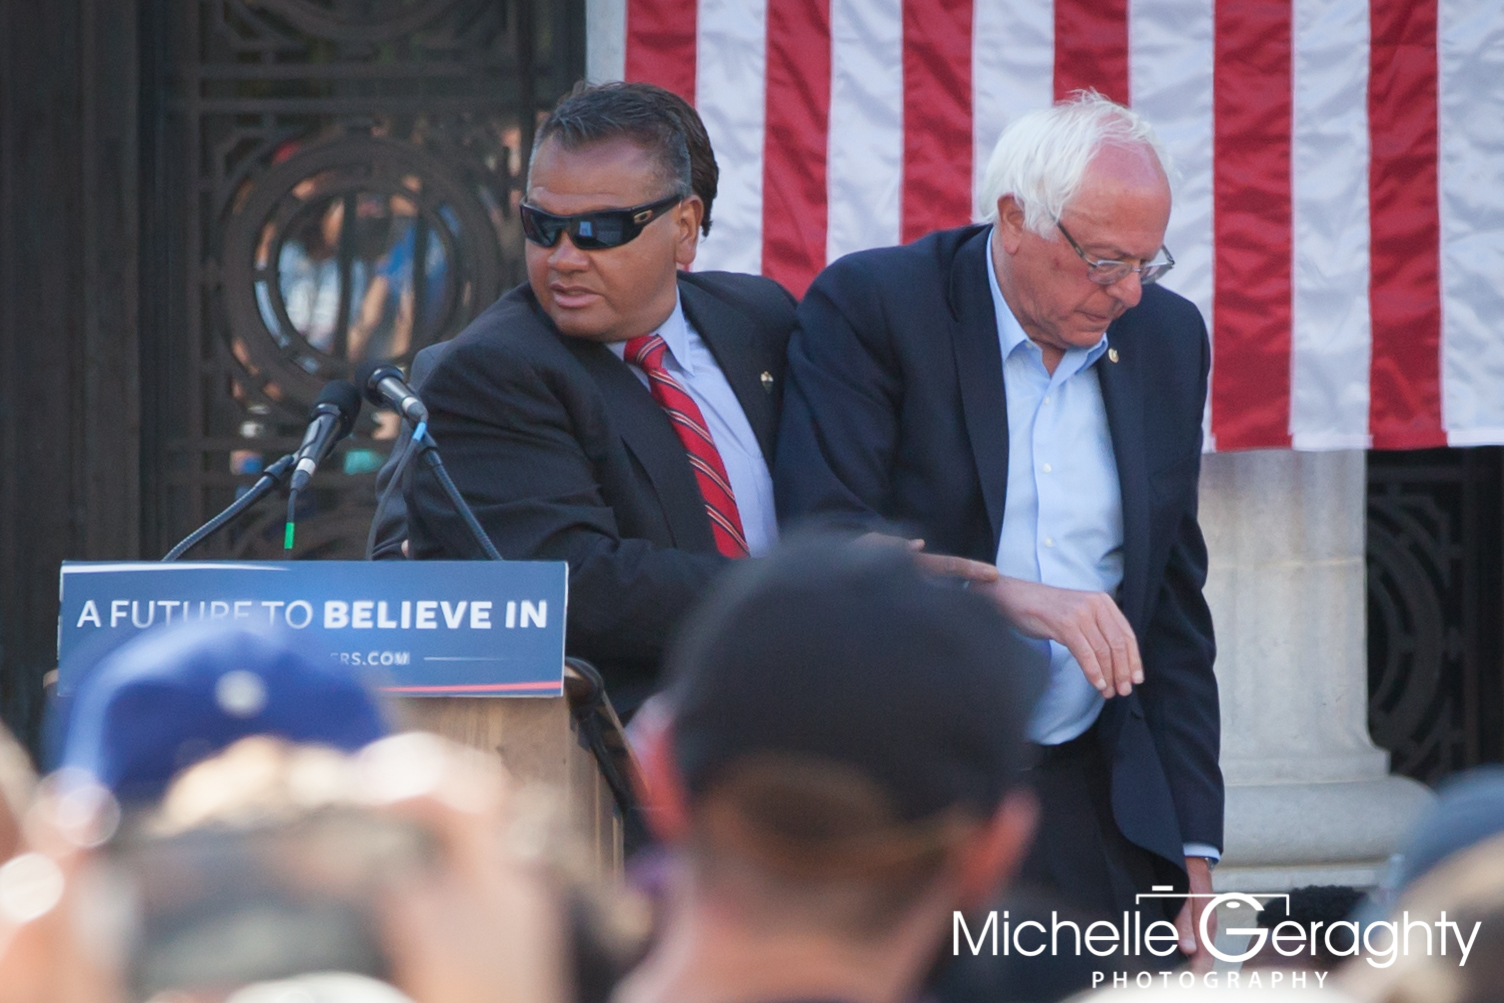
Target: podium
[471,650]
[573,744]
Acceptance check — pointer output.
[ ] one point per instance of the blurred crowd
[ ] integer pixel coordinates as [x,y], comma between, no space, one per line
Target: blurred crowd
[230,818]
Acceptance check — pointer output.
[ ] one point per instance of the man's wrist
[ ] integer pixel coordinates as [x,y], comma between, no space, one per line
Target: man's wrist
[1205,851]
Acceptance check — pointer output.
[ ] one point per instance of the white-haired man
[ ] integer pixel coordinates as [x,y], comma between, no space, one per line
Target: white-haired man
[1020,393]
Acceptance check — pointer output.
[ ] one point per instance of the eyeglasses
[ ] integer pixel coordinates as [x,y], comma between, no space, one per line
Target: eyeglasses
[593,231]
[1106,271]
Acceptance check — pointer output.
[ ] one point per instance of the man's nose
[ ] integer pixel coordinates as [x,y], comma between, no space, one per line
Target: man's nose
[1127,290]
[565,257]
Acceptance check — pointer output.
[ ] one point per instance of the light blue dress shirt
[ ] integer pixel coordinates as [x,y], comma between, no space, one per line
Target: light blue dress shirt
[1063,520]
[690,361]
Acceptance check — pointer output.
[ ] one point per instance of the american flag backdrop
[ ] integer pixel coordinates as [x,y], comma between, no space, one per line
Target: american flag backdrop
[1339,209]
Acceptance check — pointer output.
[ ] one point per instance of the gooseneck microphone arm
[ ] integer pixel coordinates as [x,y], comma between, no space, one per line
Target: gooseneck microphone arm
[431,457]
[272,478]
[384,386]
[332,417]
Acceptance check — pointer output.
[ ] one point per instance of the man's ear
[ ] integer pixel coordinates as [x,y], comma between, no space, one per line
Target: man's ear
[659,787]
[992,856]
[1010,223]
[687,217]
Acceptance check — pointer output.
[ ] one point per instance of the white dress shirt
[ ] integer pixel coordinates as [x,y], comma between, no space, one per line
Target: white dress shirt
[690,361]
[1063,521]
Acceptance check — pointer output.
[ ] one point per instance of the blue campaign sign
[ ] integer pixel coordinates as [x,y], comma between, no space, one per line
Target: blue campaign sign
[421,628]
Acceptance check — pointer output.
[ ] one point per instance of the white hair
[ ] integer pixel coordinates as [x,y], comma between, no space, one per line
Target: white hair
[1041,158]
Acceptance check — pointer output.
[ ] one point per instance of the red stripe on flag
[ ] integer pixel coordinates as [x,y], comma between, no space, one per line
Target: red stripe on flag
[1251,193]
[936,116]
[1404,298]
[797,123]
[661,44]
[1091,47]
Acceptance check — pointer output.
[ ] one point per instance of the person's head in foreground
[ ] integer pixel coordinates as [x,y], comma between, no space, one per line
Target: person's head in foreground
[614,209]
[1461,899]
[171,697]
[276,871]
[1214,987]
[837,767]
[1080,196]
[1468,810]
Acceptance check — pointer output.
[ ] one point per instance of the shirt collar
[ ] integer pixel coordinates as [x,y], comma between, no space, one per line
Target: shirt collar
[1010,332]
[675,334]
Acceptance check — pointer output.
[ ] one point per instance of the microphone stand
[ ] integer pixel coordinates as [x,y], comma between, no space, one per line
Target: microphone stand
[429,451]
[270,480]
[276,474]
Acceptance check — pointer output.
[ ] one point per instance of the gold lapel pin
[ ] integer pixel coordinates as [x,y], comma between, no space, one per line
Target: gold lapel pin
[1112,355]
[767,381]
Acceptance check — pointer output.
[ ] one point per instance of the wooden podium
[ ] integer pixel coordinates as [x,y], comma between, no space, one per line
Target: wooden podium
[574,744]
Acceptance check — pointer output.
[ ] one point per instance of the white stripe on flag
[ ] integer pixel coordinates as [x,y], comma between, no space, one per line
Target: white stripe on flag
[1330,329]
[1471,120]
[864,169]
[1012,71]
[731,60]
[1170,56]
[605,40]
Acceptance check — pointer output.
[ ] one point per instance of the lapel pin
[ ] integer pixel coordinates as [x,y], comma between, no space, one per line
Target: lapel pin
[1112,355]
[767,381]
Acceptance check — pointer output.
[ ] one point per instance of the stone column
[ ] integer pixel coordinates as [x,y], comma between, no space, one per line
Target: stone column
[1309,796]
[605,40]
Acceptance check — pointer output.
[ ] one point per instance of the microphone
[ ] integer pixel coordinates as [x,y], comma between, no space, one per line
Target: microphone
[330,420]
[384,386]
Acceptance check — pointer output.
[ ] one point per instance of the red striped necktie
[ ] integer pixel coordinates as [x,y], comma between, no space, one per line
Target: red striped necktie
[647,351]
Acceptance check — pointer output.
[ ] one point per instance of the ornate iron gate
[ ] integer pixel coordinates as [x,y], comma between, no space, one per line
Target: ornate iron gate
[1435,554]
[330,181]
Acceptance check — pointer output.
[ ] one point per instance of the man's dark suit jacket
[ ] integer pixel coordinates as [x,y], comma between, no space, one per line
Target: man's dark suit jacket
[564,455]
[895,415]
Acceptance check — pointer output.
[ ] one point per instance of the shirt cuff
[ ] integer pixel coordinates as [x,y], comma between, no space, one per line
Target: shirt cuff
[1207,850]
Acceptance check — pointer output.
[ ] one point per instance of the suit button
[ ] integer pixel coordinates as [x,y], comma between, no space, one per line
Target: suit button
[1049,541]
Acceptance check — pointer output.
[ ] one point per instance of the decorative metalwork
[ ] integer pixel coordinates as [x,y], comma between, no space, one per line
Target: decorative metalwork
[359,20]
[336,181]
[1433,609]
[355,248]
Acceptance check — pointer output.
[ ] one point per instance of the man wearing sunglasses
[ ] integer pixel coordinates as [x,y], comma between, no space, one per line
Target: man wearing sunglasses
[617,411]
[1023,394]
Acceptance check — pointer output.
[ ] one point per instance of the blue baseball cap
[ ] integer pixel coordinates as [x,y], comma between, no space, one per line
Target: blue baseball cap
[1469,810]
[171,697]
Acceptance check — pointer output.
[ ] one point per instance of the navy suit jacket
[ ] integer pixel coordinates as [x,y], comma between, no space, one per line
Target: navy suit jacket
[564,455]
[894,418]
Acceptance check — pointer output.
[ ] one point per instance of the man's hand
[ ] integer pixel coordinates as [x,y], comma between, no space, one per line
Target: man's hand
[1188,923]
[1089,624]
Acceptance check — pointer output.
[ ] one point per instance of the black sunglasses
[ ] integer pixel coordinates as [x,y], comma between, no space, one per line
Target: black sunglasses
[593,231]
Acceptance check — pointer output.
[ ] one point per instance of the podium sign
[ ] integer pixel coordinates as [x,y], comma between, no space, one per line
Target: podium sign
[416,628]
